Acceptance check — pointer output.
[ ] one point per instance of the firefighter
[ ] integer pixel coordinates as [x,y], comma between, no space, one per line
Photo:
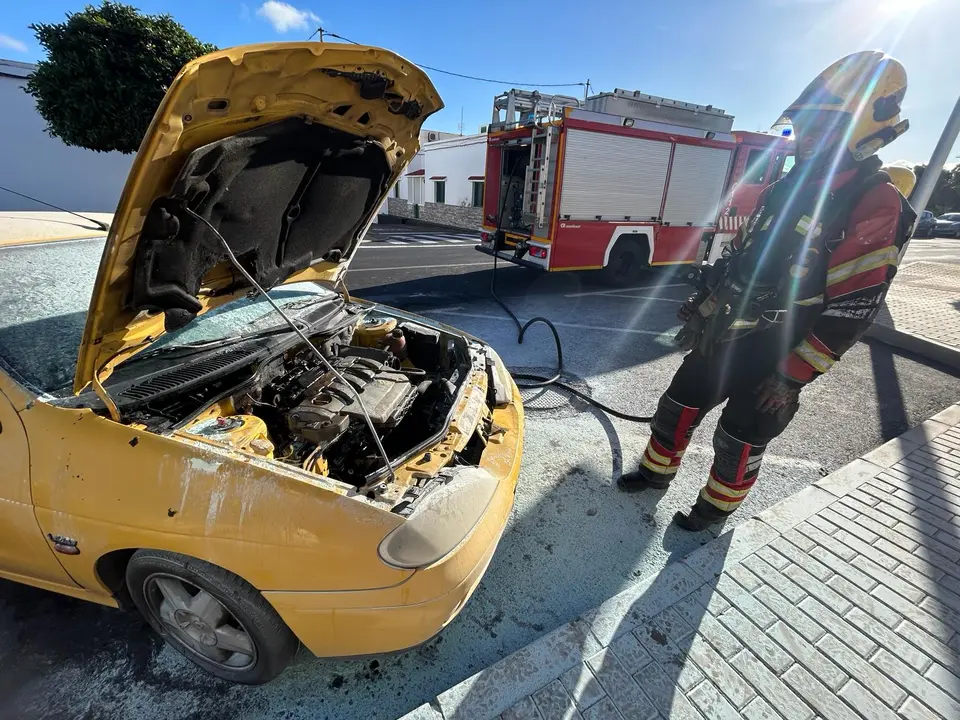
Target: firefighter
[801,282]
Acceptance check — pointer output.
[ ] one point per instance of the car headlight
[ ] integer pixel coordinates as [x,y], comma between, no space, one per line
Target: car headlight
[441,519]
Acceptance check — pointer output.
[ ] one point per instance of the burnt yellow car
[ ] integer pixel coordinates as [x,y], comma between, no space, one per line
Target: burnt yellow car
[253,470]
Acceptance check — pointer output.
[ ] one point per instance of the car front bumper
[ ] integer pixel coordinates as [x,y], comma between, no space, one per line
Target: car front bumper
[368,622]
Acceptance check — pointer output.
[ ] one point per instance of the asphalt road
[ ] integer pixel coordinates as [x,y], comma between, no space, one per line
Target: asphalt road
[573,539]
[945,250]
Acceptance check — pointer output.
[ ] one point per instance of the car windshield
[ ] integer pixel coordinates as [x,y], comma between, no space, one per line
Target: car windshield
[46,295]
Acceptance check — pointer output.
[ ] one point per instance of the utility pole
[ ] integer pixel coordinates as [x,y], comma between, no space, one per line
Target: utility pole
[586,90]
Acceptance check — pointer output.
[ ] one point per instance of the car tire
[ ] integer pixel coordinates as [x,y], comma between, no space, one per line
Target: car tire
[628,263]
[211,616]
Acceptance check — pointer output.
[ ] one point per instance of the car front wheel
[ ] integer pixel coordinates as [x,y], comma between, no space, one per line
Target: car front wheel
[211,616]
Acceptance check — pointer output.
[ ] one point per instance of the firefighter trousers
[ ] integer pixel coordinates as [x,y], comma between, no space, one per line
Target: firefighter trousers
[733,372]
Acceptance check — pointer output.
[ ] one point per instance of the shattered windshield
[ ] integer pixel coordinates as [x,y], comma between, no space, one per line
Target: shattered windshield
[47,293]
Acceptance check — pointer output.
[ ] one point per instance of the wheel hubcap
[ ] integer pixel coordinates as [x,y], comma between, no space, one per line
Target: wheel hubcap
[198,622]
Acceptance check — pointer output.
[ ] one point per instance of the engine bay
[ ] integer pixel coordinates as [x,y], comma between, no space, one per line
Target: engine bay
[295,410]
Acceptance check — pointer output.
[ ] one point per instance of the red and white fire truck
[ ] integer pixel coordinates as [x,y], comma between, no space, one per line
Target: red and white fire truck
[620,181]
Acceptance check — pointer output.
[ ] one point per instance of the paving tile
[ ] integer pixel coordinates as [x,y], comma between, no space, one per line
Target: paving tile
[771,557]
[717,635]
[889,579]
[770,576]
[889,639]
[582,686]
[865,601]
[866,702]
[745,602]
[833,623]
[630,653]
[840,521]
[890,452]
[554,703]
[424,712]
[905,540]
[844,510]
[862,509]
[816,588]
[929,579]
[819,523]
[928,643]
[790,613]
[670,657]
[603,710]
[744,577]
[842,567]
[667,697]
[947,680]
[913,710]
[526,709]
[941,611]
[498,687]
[798,539]
[720,672]
[808,656]
[884,553]
[712,704]
[878,683]
[799,555]
[641,601]
[949,416]
[932,624]
[916,685]
[771,687]
[762,646]
[672,624]
[759,709]
[865,498]
[819,697]
[620,687]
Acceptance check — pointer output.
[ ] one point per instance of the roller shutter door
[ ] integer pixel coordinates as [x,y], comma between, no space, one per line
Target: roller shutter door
[696,185]
[614,176]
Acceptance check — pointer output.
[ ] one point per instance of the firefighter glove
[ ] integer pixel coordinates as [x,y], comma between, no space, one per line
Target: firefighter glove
[777,392]
[690,306]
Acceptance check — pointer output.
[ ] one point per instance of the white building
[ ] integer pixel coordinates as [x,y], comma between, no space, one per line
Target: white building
[36,164]
[444,182]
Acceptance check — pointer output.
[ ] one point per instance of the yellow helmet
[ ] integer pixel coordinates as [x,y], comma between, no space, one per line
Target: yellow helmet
[902,177]
[869,86]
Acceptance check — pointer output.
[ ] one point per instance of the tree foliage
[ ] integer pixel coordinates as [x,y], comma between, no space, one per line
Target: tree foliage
[946,193]
[106,71]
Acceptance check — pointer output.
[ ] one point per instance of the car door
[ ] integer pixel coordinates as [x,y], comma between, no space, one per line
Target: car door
[25,554]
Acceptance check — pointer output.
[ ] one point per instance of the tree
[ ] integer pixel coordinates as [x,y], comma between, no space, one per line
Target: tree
[946,193]
[106,71]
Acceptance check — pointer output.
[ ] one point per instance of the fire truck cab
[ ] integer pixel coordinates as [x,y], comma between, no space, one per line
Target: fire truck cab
[619,182]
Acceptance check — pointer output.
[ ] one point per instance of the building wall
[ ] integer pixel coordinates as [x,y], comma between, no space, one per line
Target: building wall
[458,160]
[36,164]
[468,218]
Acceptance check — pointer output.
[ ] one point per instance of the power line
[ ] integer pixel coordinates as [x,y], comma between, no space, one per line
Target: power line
[459,75]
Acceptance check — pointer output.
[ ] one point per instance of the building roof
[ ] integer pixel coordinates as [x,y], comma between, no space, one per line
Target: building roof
[15,69]
[438,177]
[421,171]
[476,177]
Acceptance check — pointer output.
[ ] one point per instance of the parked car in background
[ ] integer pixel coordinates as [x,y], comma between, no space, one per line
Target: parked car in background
[925,225]
[948,226]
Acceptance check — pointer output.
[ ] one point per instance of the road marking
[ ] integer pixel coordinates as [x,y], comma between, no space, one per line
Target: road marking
[577,326]
[624,290]
[387,245]
[419,267]
[20,242]
[424,241]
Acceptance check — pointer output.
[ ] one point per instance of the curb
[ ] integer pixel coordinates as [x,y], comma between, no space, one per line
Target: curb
[917,344]
[498,687]
[19,242]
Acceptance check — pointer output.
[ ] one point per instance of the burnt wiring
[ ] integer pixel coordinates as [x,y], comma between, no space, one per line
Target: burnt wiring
[539,381]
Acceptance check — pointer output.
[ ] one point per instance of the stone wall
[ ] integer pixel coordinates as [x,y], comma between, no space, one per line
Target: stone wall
[469,218]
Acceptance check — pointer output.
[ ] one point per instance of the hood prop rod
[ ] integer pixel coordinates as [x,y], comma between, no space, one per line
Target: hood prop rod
[298,331]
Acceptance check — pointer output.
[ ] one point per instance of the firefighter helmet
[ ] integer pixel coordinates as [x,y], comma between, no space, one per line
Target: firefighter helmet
[902,177]
[867,86]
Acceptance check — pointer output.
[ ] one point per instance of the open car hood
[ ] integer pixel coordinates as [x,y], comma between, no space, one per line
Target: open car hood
[288,149]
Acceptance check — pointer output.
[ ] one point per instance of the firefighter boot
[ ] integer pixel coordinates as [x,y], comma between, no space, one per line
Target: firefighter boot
[672,426]
[736,465]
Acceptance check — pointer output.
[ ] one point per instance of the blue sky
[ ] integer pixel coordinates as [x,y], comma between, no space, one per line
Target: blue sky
[751,57]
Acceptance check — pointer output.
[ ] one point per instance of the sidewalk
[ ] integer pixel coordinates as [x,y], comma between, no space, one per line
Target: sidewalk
[23,227]
[840,602]
[922,312]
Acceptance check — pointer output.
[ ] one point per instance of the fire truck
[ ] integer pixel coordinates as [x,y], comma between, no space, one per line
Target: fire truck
[619,182]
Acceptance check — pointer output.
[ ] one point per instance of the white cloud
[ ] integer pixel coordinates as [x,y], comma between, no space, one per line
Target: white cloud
[286,17]
[11,43]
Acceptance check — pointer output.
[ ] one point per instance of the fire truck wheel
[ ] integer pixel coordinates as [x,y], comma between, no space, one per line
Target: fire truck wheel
[627,264]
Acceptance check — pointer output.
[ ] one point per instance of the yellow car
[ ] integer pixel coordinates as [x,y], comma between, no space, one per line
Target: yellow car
[247,484]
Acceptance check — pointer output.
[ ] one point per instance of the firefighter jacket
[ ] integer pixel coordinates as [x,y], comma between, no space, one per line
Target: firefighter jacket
[812,265]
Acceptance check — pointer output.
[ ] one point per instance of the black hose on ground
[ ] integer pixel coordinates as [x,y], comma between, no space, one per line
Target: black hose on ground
[539,381]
